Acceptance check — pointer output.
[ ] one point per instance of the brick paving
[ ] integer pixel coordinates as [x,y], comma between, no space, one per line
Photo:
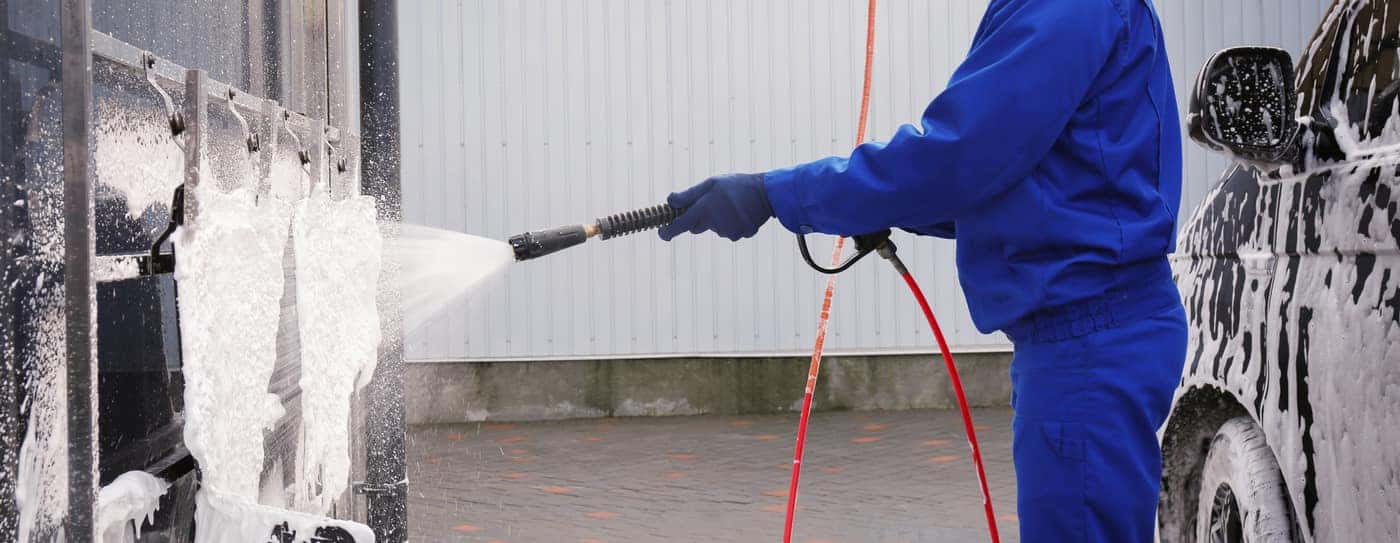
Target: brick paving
[868,476]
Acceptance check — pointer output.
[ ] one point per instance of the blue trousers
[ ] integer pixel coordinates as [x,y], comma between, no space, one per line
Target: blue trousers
[1087,409]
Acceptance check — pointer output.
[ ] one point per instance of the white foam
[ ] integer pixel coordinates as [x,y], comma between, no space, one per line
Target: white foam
[41,485]
[136,157]
[441,266]
[126,504]
[229,269]
[338,248]
[227,519]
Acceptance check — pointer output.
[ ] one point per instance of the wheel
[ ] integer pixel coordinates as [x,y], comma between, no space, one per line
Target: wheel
[1242,497]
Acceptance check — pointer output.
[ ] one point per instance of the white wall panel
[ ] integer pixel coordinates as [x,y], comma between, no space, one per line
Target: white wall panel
[524,114]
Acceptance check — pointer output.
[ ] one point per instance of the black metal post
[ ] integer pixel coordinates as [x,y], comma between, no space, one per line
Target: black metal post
[11,386]
[78,249]
[386,479]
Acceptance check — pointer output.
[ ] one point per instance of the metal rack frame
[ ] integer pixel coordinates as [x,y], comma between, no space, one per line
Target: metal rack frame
[84,269]
[190,122]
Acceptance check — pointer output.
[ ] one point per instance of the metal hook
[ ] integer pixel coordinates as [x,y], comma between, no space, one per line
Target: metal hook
[177,119]
[250,137]
[301,149]
[339,160]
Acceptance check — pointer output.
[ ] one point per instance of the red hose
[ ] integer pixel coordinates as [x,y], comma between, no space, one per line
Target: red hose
[962,403]
[812,371]
[817,346]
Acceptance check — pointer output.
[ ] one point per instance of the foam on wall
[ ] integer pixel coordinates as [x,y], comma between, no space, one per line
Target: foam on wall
[229,271]
[338,251]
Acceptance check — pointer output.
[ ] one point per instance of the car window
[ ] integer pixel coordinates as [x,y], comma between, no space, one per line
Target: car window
[1316,78]
[1369,96]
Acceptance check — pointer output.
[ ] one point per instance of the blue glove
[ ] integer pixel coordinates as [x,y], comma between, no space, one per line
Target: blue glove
[733,206]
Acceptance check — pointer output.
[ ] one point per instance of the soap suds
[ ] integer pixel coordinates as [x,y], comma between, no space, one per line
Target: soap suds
[126,504]
[338,256]
[115,269]
[134,154]
[41,476]
[229,272]
[1295,316]
[226,519]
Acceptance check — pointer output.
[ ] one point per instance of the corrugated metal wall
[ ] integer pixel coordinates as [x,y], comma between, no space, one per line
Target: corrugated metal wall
[522,114]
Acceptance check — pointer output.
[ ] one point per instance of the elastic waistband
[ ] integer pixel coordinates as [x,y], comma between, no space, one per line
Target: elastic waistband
[1139,290]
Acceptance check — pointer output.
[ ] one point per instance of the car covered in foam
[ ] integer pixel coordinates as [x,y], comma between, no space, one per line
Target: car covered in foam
[1286,424]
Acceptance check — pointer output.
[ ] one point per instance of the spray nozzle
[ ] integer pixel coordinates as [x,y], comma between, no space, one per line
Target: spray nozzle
[542,242]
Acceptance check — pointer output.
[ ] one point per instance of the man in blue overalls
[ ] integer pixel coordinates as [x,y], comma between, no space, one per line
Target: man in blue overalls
[1054,158]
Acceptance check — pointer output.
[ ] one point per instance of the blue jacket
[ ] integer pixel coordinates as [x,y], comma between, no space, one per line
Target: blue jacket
[1054,158]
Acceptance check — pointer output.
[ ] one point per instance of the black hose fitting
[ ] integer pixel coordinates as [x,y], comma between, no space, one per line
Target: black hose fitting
[635,221]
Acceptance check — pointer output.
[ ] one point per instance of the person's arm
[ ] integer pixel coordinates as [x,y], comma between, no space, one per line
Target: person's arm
[1032,65]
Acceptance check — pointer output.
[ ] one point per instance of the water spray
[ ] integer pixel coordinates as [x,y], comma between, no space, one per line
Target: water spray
[542,242]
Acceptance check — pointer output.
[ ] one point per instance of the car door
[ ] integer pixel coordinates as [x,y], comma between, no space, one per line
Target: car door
[1334,303]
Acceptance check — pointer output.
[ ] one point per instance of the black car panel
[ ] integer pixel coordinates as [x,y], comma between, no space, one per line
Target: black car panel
[1292,282]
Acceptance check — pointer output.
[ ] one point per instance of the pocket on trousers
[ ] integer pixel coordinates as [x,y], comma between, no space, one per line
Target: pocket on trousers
[1066,440]
[1051,479]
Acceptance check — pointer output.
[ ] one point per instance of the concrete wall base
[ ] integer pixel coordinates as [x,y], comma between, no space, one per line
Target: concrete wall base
[453,392]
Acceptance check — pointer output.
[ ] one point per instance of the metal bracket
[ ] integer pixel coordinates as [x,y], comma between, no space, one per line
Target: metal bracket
[338,168]
[380,489]
[177,121]
[155,262]
[301,149]
[250,137]
[339,158]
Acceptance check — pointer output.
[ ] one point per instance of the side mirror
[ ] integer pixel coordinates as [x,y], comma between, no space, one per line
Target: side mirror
[1244,105]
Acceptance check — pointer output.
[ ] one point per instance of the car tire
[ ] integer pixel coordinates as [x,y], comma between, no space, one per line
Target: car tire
[1242,498]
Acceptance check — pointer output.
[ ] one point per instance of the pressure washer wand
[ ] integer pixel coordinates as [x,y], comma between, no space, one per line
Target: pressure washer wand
[542,242]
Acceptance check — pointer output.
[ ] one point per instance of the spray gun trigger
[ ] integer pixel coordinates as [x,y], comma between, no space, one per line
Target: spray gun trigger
[872,241]
[865,244]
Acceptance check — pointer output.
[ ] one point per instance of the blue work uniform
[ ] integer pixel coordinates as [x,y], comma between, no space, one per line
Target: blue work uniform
[1054,158]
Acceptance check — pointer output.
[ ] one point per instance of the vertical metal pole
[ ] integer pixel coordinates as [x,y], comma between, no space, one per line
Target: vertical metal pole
[380,155]
[341,69]
[272,119]
[256,37]
[316,151]
[314,82]
[78,248]
[293,56]
[196,130]
[11,385]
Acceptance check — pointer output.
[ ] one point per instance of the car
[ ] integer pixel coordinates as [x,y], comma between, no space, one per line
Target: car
[1286,423]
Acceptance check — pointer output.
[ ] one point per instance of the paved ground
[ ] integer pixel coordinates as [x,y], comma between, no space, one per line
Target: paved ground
[868,476]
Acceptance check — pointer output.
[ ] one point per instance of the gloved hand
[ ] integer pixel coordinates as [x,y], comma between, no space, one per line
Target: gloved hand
[733,206]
